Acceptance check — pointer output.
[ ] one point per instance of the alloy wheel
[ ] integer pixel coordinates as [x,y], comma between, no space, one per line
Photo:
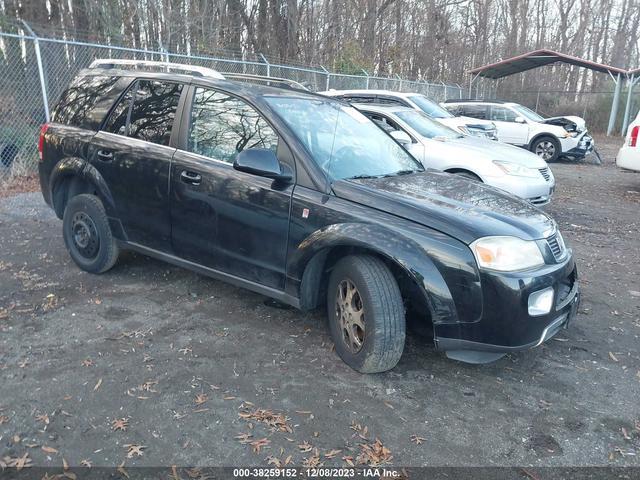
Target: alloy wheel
[350,315]
[545,150]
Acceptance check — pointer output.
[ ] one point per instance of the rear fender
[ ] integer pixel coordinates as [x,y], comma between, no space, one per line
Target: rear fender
[79,168]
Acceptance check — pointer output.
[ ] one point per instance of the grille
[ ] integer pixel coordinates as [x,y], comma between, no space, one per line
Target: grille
[556,244]
[545,173]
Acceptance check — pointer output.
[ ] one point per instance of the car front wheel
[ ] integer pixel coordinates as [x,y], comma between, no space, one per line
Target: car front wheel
[87,235]
[366,314]
[547,148]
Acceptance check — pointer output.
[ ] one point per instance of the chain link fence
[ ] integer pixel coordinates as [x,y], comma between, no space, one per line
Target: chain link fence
[34,71]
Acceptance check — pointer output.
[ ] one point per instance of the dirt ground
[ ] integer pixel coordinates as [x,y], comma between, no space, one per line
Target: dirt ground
[153,365]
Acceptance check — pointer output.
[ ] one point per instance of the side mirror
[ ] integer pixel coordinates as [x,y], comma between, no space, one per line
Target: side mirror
[520,120]
[262,162]
[401,137]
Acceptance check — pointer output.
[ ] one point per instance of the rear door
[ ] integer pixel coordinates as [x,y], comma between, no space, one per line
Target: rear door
[132,152]
[509,130]
[228,220]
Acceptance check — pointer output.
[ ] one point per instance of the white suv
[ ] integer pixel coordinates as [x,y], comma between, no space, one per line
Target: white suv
[417,101]
[549,138]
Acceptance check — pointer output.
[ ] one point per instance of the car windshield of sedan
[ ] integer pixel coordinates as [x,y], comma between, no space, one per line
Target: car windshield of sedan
[342,141]
[425,126]
[528,113]
[430,108]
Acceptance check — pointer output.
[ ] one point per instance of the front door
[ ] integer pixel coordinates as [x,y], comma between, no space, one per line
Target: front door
[228,220]
[509,131]
[133,156]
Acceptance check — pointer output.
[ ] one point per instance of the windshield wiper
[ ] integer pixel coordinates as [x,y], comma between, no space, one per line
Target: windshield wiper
[356,177]
[402,172]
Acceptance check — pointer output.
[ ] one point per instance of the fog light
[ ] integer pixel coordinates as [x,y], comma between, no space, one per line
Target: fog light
[540,302]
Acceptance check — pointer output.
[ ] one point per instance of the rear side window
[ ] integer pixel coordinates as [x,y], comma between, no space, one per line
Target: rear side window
[475,111]
[151,115]
[86,102]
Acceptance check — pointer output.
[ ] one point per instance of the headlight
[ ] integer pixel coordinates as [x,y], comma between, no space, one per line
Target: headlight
[570,134]
[516,169]
[506,254]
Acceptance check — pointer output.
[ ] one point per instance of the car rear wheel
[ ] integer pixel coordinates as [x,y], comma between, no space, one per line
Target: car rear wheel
[87,234]
[366,314]
[547,148]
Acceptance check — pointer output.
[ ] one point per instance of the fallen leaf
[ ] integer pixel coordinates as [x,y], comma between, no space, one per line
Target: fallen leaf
[201,398]
[244,438]
[134,450]
[120,424]
[95,389]
[332,453]
[374,454]
[613,357]
[49,449]
[44,418]
[625,434]
[3,419]
[417,440]
[65,465]
[121,470]
[305,447]
[258,444]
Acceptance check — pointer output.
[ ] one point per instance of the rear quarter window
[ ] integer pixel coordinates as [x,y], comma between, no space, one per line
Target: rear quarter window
[87,100]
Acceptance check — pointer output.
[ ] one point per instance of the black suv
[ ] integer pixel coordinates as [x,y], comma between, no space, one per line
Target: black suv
[301,198]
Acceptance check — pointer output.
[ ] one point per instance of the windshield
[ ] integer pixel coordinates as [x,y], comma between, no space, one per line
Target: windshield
[425,126]
[528,113]
[342,141]
[430,108]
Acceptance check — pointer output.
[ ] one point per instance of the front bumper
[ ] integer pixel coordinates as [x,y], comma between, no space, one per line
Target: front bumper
[577,147]
[538,191]
[505,324]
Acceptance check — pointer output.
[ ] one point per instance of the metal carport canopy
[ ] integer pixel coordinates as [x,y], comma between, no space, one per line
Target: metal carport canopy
[543,57]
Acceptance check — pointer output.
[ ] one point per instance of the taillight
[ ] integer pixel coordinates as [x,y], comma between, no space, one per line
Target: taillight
[633,140]
[43,130]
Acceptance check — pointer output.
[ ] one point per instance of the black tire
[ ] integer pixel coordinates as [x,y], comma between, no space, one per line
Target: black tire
[87,234]
[542,146]
[383,337]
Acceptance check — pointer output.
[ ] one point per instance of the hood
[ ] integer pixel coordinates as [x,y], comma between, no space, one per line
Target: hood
[492,150]
[569,122]
[461,208]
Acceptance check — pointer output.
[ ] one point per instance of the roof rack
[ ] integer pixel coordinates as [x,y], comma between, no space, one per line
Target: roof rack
[156,66]
[272,81]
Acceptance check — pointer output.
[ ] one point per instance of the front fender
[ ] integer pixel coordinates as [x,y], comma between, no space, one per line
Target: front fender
[81,169]
[442,268]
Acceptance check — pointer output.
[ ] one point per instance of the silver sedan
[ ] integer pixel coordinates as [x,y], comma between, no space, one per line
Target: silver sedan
[510,168]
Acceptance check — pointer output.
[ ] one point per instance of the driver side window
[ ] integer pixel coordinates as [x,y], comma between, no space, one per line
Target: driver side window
[222,126]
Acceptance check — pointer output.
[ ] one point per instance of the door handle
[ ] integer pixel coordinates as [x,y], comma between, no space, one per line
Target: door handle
[192,178]
[105,155]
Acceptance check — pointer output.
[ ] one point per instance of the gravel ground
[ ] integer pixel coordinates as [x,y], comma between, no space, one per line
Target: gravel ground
[189,363]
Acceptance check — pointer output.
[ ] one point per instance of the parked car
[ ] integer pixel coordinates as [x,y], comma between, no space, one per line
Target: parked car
[549,138]
[497,164]
[301,198]
[417,101]
[629,155]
